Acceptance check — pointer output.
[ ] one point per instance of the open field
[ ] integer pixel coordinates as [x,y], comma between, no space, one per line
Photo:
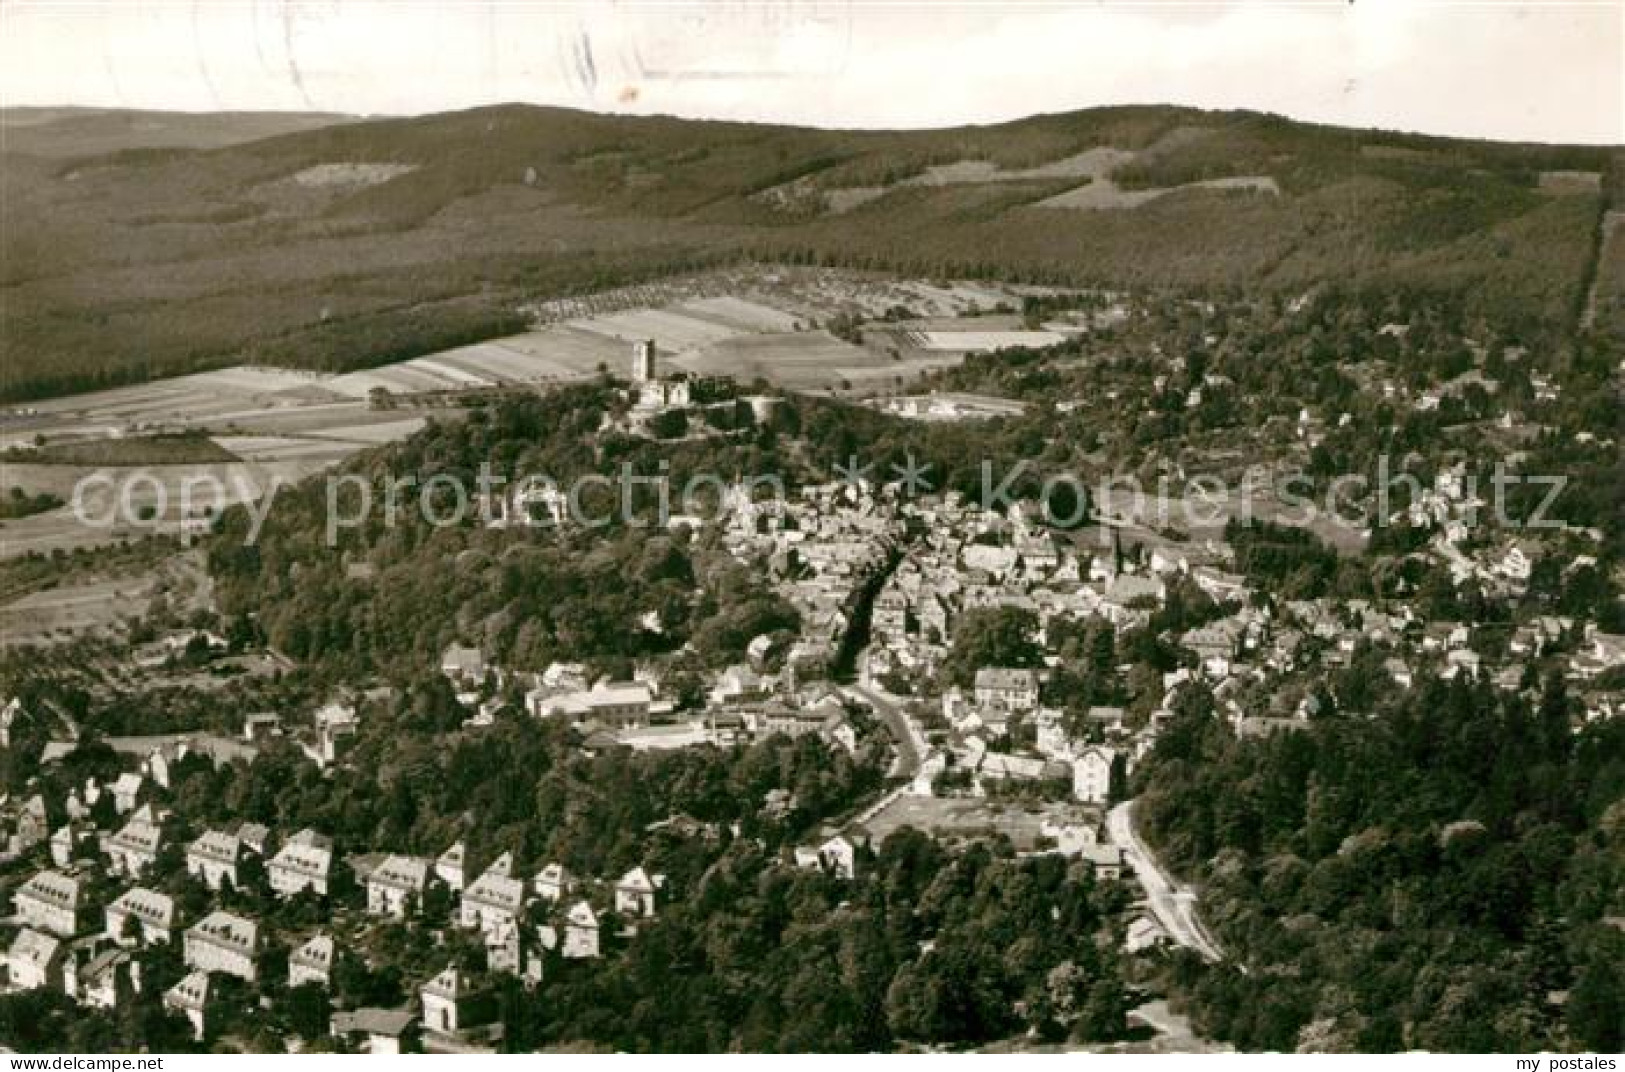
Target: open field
[962,817]
[227,437]
[1106,194]
[244,429]
[985,341]
[1095,166]
[185,448]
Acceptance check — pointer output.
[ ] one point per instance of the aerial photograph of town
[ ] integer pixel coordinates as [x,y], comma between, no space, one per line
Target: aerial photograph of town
[816,526]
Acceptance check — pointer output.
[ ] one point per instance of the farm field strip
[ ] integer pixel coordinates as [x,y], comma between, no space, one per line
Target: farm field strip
[671,330]
[984,341]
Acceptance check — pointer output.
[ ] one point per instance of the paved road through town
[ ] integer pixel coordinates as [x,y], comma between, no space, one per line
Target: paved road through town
[910,748]
[1173,904]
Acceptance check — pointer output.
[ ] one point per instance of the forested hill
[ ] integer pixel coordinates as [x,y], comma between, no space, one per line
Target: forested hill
[358,242]
[1440,869]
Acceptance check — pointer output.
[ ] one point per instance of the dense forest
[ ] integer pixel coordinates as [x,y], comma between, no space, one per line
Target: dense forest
[253,268]
[1387,876]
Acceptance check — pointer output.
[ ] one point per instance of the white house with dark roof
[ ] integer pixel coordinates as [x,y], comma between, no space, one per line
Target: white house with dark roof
[153,914]
[509,952]
[50,902]
[222,942]
[336,724]
[303,863]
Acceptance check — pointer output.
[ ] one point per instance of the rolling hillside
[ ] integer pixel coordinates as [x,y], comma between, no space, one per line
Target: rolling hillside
[356,242]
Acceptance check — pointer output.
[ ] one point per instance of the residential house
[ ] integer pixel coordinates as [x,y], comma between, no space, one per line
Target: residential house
[507,952]
[824,718]
[395,887]
[312,962]
[141,916]
[839,856]
[50,902]
[1127,590]
[32,826]
[125,791]
[1003,766]
[302,864]
[552,883]
[1092,775]
[1518,562]
[1107,861]
[635,893]
[451,867]
[738,682]
[106,981]
[67,842]
[1070,838]
[214,857]
[336,724]
[452,1004]
[624,703]
[190,998]
[496,898]
[463,665]
[377,1031]
[11,715]
[1008,689]
[259,725]
[222,942]
[34,960]
[581,932]
[134,848]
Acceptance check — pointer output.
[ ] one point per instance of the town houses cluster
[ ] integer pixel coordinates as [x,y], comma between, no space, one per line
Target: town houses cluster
[78,924]
[882,578]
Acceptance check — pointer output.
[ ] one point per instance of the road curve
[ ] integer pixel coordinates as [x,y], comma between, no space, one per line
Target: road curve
[1173,904]
[910,748]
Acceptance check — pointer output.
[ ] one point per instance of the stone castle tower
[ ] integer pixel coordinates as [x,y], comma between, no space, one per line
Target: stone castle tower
[643,362]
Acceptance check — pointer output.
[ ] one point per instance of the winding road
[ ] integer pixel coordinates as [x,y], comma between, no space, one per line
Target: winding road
[1172,903]
[910,746]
